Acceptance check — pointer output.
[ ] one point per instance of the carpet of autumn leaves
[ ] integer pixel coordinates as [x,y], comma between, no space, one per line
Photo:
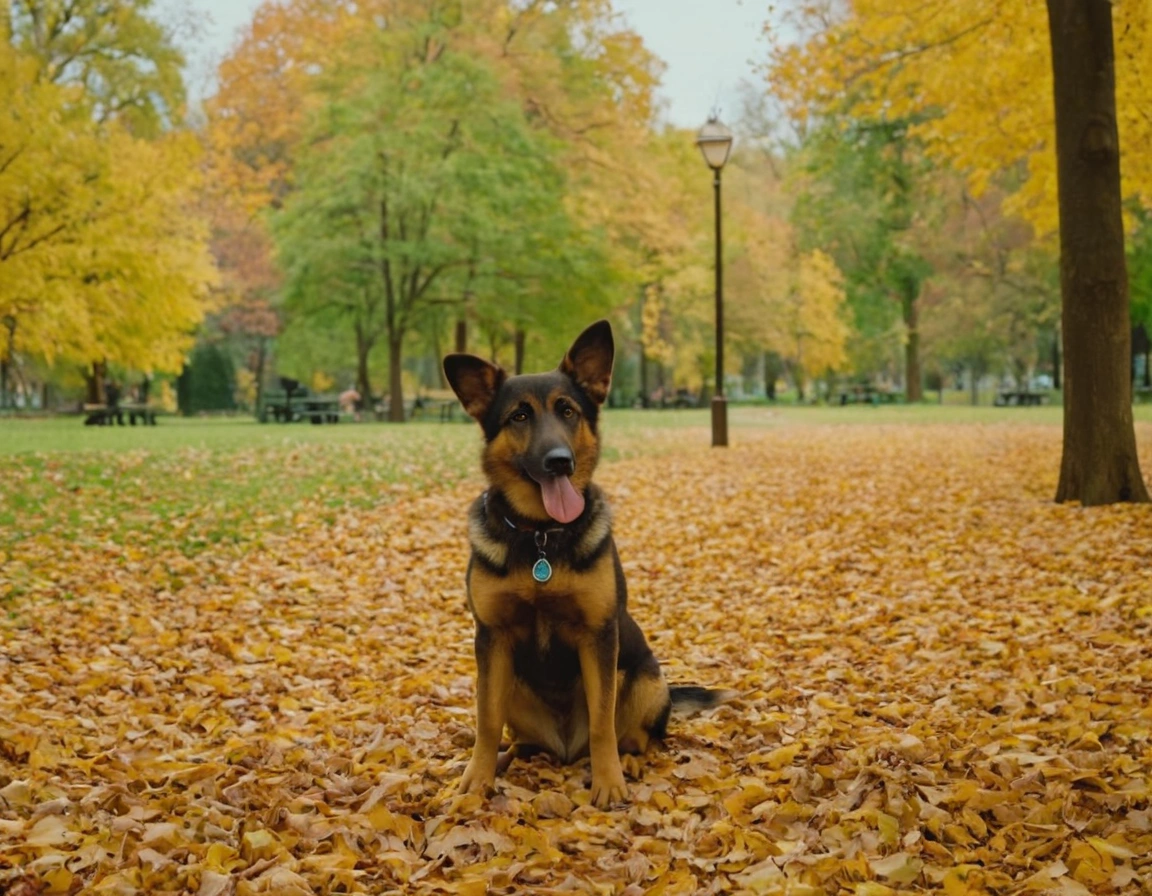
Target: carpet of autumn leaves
[945,680]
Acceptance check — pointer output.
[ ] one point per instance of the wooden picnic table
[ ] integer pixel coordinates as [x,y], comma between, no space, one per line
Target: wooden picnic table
[1016,398]
[285,407]
[108,415]
[868,394]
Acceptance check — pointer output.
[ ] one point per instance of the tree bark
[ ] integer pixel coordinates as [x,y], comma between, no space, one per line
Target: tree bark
[1057,363]
[912,378]
[461,335]
[645,401]
[261,362]
[94,383]
[1099,464]
[519,364]
[363,380]
[395,382]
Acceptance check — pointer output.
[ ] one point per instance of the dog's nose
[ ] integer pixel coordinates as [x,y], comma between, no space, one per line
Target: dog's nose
[559,462]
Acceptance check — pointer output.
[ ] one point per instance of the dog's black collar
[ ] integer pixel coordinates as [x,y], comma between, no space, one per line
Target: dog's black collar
[524,527]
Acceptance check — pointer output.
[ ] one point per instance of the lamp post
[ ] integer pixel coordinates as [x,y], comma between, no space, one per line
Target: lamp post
[715,142]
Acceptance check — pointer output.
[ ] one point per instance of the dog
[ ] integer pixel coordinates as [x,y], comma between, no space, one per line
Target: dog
[559,659]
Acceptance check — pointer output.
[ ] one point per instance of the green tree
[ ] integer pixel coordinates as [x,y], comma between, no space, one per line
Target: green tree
[861,198]
[417,171]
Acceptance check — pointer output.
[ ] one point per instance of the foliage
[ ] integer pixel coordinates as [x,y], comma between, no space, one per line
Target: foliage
[976,77]
[208,381]
[123,59]
[250,671]
[101,254]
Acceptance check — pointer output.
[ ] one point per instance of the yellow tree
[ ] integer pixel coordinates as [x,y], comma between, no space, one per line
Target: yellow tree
[102,257]
[982,79]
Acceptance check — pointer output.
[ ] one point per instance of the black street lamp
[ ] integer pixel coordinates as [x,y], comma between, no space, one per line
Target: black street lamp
[715,142]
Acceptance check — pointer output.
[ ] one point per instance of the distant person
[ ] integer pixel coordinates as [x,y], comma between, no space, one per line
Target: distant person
[350,403]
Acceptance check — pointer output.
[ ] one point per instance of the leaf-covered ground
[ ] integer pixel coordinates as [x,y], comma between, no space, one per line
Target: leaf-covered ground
[945,679]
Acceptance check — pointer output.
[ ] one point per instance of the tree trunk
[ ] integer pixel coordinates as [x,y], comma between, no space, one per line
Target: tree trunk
[1057,362]
[644,399]
[363,379]
[395,383]
[261,362]
[462,335]
[94,383]
[1099,464]
[519,364]
[913,385]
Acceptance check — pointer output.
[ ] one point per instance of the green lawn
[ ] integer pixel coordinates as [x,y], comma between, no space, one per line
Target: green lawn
[197,483]
[19,436]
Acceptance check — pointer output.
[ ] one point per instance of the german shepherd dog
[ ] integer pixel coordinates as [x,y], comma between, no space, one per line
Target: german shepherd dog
[558,657]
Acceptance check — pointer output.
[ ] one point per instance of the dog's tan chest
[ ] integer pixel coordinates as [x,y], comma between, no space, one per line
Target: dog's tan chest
[586,599]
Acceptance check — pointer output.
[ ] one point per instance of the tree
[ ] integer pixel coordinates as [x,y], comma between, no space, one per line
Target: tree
[970,71]
[862,198]
[124,60]
[102,257]
[417,168]
[1099,464]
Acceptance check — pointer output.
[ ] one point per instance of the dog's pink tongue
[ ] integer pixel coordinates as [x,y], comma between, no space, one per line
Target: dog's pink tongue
[561,500]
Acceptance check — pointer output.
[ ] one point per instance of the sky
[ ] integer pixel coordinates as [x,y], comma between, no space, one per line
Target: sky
[708,46]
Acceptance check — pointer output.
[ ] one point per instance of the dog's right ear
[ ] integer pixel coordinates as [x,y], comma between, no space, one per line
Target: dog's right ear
[475,382]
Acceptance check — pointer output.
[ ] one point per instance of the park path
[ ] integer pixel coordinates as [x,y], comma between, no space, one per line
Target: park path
[945,683]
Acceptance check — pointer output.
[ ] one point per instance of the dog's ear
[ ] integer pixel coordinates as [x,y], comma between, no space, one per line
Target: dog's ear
[475,382]
[589,360]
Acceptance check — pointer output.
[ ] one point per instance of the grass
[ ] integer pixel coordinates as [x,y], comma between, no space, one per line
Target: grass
[66,434]
[198,483]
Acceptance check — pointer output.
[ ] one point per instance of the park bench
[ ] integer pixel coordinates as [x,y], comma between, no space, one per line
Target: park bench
[440,402]
[105,415]
[868,394]
[1015,398]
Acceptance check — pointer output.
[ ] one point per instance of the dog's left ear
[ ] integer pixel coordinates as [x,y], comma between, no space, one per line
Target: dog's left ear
[589,360]
[475,381]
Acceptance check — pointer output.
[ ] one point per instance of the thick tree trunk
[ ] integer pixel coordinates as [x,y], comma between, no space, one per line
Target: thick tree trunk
[395,383]
[519,363]
[94,383]
[461,335]
[1057,363]
[914,386]
[1099,465]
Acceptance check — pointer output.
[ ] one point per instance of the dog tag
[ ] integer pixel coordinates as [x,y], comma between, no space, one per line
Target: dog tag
[542,570]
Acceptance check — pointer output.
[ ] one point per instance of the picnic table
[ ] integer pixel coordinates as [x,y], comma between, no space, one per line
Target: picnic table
[865,393]
[1015,398]
[297,405]
[109,415]
[442,402]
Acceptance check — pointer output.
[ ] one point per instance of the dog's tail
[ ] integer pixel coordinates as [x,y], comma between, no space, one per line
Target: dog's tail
[690,698]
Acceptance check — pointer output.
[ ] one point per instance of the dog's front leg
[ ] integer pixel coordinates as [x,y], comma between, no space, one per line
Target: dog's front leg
[493,687]
[598,654]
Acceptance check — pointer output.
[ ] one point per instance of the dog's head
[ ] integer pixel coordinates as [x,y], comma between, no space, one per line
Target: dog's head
[540,430]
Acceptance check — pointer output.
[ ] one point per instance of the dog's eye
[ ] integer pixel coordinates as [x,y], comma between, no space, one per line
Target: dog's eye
[519,417]
[567,413]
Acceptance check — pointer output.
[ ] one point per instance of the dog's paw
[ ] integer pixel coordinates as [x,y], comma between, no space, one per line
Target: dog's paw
[475,780]
[608,788]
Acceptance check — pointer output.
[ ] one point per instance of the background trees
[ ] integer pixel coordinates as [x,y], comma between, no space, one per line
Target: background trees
[977,80]
[102,256]
[373,183]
